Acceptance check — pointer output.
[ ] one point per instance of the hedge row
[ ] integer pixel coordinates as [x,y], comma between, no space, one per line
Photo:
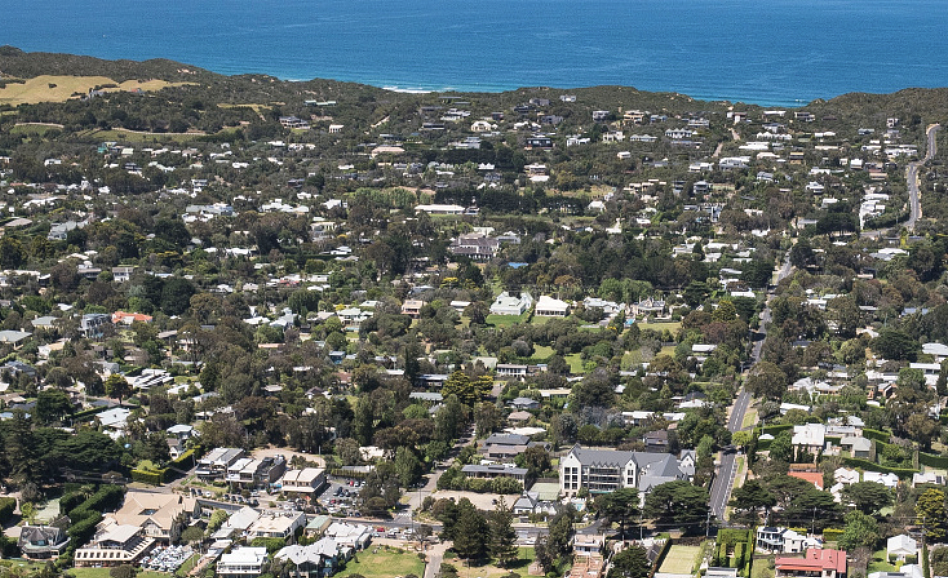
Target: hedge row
[107,497]
[933,461]
[874,434]
[742,542]
[7,505]
[774,429]
[661,558]
[153,477]
[356,475]
[832,534]
[902,473]
[87,413]
[185,459]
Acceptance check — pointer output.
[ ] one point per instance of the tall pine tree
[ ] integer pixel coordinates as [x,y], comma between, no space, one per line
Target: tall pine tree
[503,538]
[470,532]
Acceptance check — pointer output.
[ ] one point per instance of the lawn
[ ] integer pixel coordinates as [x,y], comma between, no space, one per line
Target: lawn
[506,320]
[542,352]
[33,129]
[750,418]
[489,569]
[763,567]
[62,88]
[381,562]
[104,573]
[575,362]
[20,563]
[880,563]
[680,559]
[672,326]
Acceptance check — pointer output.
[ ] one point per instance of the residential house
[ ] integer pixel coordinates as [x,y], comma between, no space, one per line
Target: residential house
[476,246]
[160,516]
[901,547]
[412,308]
[318,560]
[507,304]
[317,526]
[251,473]
[524,403]
[588,544]
[506,447]
[243,562]
[603,471]
[648,306]
[888,480]
[276,525]
[550,307]
[215,463]
[113,545]
[128,318]
[93,324]
[511,370]
[809,437]
[355,536]
[13,337]
[42,542]
[858,446]
[784,540]
[815,564]
[305,481]
[122,274]
[492,471]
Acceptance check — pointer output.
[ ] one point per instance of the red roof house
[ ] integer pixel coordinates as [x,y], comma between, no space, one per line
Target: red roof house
[816,564]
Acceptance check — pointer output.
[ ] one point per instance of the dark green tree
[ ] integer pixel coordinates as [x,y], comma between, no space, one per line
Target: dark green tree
[630,563]
[678,503]
[503,538]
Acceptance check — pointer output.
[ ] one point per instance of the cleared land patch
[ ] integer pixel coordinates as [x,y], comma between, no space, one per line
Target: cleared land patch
[62,88]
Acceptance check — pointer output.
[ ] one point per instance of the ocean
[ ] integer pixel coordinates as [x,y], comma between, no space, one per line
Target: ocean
[769,52]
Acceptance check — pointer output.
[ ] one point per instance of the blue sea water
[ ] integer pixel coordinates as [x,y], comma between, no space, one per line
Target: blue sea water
[775,52]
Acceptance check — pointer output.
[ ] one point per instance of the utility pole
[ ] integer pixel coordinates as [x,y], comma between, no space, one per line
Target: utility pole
[707,525]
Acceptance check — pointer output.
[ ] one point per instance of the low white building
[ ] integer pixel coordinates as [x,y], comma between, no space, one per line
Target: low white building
[901,546]
[507,304]
[550,307]
[243,562]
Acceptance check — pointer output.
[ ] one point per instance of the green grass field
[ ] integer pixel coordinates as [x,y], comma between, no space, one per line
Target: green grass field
[506,320]
[763,567]
[880,563]
[383,564]
[680,559]
[575,363]
[104,573]
[673,326]
[491,570]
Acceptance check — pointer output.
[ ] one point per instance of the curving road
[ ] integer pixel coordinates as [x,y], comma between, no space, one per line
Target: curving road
[911,176]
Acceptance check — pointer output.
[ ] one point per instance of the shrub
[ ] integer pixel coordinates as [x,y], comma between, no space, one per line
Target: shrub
[7,505]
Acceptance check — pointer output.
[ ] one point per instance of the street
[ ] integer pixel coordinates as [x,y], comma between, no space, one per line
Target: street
[727,470]
[911,176]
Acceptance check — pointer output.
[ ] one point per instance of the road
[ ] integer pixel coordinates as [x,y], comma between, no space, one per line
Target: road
[911,176]
[727,470]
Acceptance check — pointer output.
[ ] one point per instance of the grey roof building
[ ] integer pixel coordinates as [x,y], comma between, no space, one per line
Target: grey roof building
[606,470]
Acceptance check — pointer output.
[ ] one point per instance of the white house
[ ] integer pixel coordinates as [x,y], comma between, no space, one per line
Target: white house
[507,304]
[550,307]
[901,547]
[243,562]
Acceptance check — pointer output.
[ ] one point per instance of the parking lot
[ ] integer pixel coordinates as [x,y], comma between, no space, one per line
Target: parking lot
[340,496]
